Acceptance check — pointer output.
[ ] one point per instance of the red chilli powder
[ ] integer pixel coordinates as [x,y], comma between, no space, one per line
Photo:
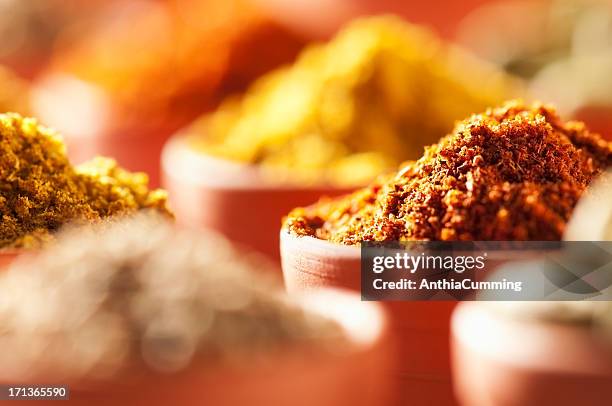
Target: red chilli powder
[512,173]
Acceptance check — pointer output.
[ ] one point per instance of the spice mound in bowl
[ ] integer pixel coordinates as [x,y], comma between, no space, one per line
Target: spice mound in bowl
[110,95]
[40,190]
[181,36]
[354,107]
[344,112]
[161,314]
[510,350]
[512,173]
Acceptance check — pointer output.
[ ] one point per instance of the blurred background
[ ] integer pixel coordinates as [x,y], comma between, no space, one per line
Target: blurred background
[303,90]
[179,58]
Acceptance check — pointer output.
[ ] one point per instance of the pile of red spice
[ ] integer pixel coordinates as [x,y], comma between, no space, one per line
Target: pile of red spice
[512,173]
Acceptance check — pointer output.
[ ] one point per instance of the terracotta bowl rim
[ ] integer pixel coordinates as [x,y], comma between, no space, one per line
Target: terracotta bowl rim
[354,316]
[99,99]
[183,161]
[50,82]
[15,251]
[484,331]
[326,248]
[317,246]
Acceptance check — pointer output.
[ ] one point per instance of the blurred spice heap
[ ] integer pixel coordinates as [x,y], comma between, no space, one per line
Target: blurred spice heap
[513,173]
[40,190]
[194,52]
[30,28]
[596,315]
[551,32]
[563,49]
[354,107]
[108,300]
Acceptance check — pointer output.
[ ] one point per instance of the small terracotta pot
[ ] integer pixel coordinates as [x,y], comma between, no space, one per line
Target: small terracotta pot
[90,125]
[422,327]
[358,374]
[500,361]
[232,198]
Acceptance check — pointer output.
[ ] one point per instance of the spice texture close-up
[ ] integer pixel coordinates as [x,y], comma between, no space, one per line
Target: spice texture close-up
[513,173]
[42,191]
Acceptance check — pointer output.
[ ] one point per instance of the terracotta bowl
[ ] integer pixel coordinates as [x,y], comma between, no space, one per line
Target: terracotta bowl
[90,126]
[500,361]
[358,374]
[230,197]
[422,327]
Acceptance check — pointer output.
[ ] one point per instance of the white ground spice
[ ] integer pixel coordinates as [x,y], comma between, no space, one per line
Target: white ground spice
[107,299]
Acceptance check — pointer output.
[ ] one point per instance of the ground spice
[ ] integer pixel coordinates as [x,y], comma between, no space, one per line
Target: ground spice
[40,190]
[196,52]
[512,173]
[354,107]
[109,298]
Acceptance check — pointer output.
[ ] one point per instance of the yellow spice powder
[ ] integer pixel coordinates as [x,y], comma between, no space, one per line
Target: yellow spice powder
[352,108]
[40,190]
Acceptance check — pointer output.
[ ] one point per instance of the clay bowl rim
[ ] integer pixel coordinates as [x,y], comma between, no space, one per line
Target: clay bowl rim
[366,330]
[15,251]
[325,248]
[347,310]
[476,327]
[179,160]
[9,255]
[317,246]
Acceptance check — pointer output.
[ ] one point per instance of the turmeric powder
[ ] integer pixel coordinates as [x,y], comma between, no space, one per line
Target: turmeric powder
[349,109]
[40,190]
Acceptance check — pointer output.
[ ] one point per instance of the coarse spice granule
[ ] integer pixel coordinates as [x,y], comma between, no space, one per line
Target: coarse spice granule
[40,190]
[512,173]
